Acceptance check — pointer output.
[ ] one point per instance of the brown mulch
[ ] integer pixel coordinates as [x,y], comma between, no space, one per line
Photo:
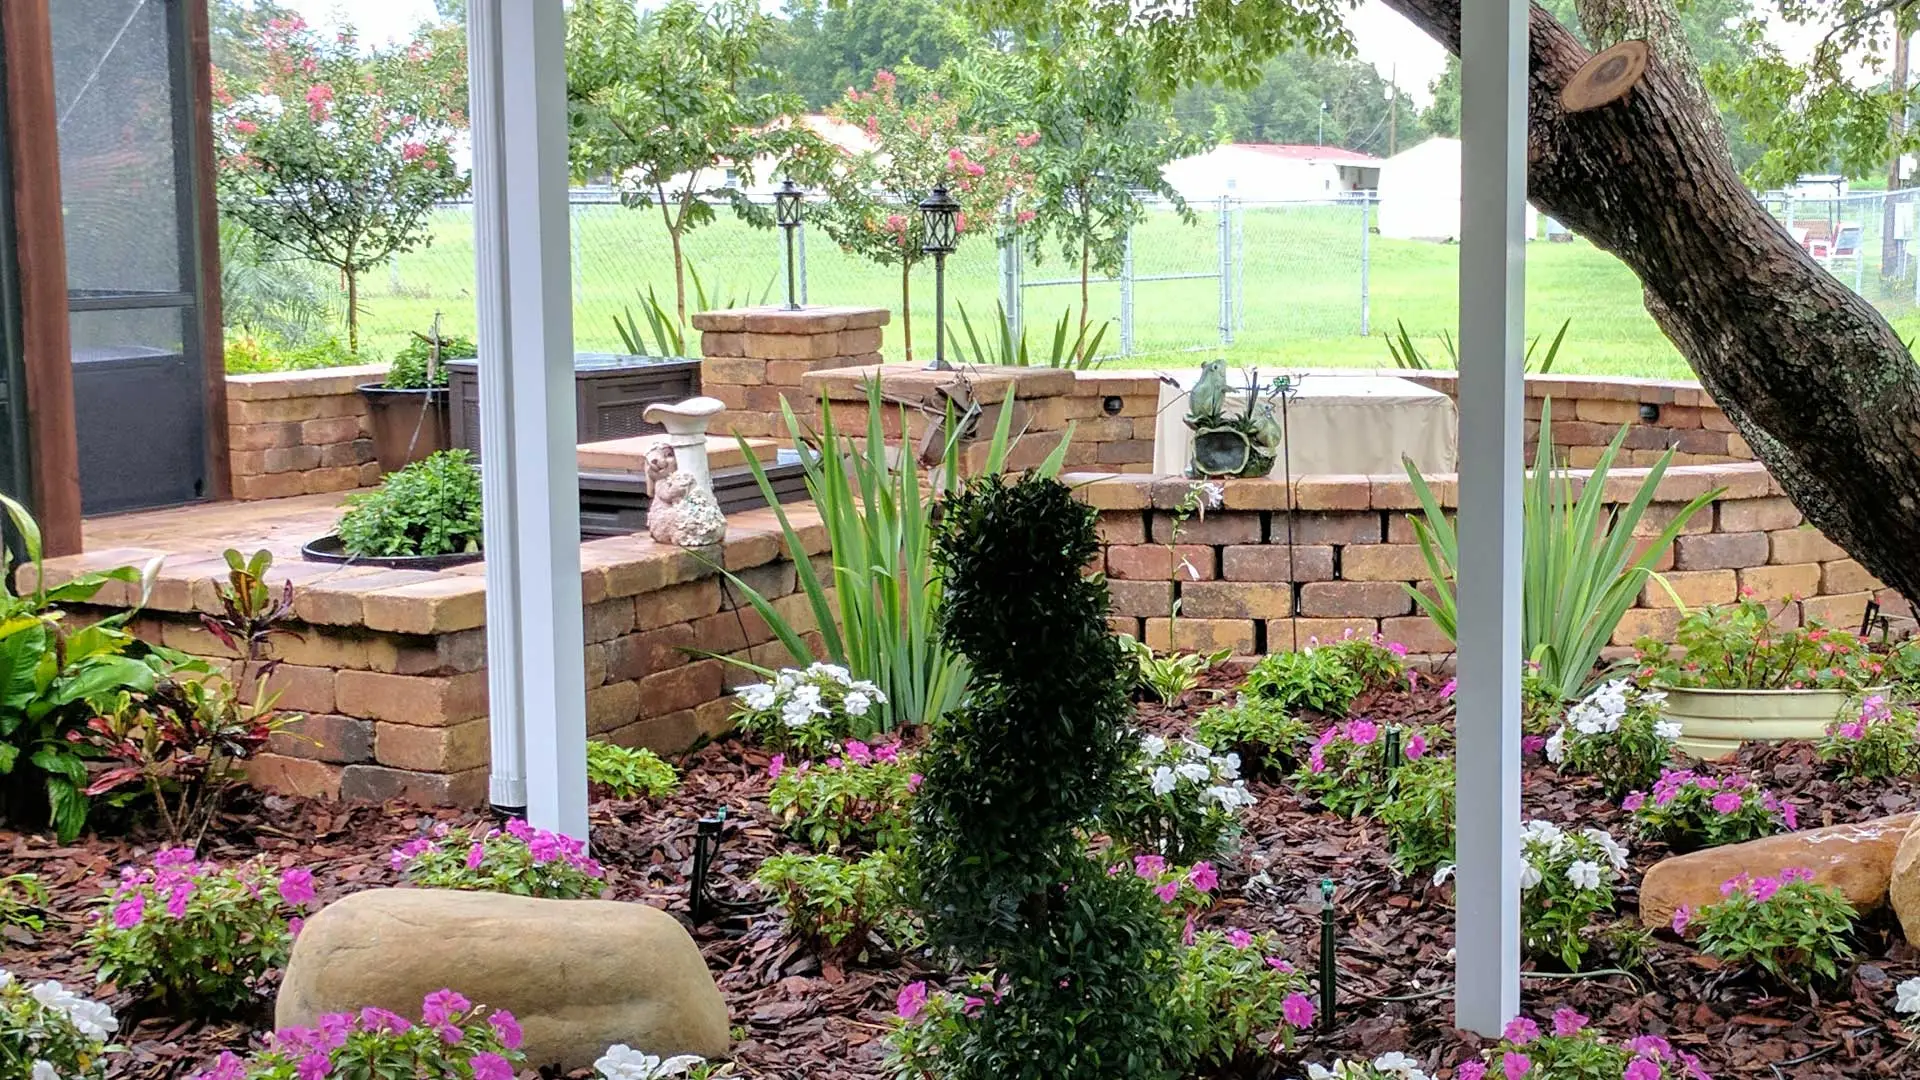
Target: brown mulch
[798,1016]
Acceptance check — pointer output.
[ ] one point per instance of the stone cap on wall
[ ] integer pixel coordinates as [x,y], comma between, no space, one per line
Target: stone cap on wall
[319,382]
[434,601]
[989,383]
[1647,391]
[775,319]
[1339,491]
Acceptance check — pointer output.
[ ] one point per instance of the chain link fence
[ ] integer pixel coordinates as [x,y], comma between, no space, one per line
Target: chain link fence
[1866,239]
[1183,286]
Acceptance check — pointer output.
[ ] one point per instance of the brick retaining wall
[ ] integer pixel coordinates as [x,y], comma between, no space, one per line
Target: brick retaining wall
[1589,411]
[1354,549]
[300,432]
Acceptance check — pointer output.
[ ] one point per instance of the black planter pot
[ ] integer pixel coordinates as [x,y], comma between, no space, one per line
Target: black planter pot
[327,549]
[408,425]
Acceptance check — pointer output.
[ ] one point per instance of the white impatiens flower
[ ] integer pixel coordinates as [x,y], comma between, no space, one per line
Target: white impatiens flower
[1163,781]
[1557,745]
[1441,875]
[1584,874]
[1153,745]
[1906,997]
[857,703]
[1667,729]
[759,696]
[1227,766]
[1529,876]
[1399,1065]
[833,671]
[871,691]
[44,1070]
[1198,772]
[1615,850]
[623,1062]
[93,1019]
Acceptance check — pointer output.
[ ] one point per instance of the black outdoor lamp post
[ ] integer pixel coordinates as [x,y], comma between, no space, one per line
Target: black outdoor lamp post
[786,213]
[940,215]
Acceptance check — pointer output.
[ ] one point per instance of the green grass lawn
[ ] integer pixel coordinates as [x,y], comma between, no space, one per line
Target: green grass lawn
[1300,287]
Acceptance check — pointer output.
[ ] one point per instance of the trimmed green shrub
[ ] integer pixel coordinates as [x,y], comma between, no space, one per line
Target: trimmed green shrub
[431,507]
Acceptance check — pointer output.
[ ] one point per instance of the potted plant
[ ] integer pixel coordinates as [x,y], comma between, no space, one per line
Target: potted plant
[424,517]
[408,412]
[1732,676]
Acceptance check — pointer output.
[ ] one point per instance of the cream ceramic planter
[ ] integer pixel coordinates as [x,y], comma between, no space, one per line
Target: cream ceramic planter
[1713,723]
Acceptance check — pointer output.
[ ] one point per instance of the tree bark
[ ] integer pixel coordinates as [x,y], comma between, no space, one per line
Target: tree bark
[1812,376]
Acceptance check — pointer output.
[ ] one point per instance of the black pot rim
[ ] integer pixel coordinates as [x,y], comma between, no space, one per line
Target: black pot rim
[327,549]
[374,389]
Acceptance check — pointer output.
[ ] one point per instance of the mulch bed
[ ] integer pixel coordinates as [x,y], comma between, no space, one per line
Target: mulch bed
[801,1017]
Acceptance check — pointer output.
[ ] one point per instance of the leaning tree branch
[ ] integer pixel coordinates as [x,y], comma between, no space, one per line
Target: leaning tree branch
[1813,377]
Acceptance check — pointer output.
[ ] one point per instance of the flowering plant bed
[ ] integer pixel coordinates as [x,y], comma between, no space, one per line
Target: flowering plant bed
[802,1009]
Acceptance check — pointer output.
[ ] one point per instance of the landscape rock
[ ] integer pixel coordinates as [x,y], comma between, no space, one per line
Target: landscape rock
[579,975]
[1903,892]
[1856,857]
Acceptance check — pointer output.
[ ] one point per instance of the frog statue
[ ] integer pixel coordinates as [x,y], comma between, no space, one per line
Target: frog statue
[1244,444]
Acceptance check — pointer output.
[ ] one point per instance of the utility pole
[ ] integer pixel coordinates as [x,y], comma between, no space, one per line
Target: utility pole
[1393,110]
[1323,123]
[1889,246]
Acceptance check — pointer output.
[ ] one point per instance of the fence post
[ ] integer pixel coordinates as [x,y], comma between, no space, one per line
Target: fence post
[800,256]
[1126,294]
[1788,197]
[1366,254]
[1010,289]
[573,233]
[1226,271]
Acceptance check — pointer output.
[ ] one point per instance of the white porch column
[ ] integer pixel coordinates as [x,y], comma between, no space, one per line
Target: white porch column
[535,633]
[1493,191]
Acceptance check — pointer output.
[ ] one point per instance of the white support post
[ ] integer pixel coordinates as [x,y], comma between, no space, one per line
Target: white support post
[1493,130]
[535,632]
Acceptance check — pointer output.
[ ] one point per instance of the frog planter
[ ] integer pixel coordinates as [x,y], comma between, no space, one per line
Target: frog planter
[1241,445]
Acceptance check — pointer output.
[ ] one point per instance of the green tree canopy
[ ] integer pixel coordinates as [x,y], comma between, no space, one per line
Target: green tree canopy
[824,49]
[1284,106]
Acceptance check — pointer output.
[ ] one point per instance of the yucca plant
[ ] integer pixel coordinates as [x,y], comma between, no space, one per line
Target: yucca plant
[1579,571]
[1408,356]
[669,337]
[876,615]
[1076,353]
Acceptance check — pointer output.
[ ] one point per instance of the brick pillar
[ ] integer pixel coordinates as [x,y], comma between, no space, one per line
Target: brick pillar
[916,398]
[752,357]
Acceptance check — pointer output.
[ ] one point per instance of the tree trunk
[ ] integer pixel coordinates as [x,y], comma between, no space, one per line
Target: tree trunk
[1086,272]
[1812,376]
[906,307]
[679,279]
[353,310]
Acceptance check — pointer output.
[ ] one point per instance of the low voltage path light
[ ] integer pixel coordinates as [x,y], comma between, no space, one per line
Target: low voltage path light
[940,216]
[786,213]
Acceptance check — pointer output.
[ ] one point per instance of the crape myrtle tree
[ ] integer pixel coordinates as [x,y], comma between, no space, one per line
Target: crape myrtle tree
[1012,778]
[1105,131]
[338,155]
[1813,377]
[917,140]
[668,107]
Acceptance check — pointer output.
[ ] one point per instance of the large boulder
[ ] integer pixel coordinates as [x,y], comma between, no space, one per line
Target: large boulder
[1903,892]
[1858,858]
[579,975]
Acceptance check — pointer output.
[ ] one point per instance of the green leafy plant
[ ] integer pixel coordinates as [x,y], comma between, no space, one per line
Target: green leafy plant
[1687,810]
[265,296]
[810,711]
[1324,677]
[1170,677]
[1791,927]
[831,902]
[1883,743]
[1578,562]
[630,772]
[248,355]
[1013,779]
[421,364]
[1075,352]
[47,1024]
[1572,1050]
[860,796]
[1419,813]
[876,612]
[186,742]
[1737,647]
[194,934]
[518,859]
[1262,731]
[1231,998]
[1180,800]
[1565,880]
[431,507]
[1616,733]
[451,1037]
[53,679]
[1407,355]
[668,335]
[23,902]
[1350,768]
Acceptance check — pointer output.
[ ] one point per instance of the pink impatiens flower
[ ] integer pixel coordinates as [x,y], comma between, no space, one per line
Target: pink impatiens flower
[1682,916]
[296,886]
[1416,747]
[1298,1010]
[1633,801]
[1521,1031]
[1727,802]
[1239,938]
[506,1027]
[1515,1065]
[128,913]
[776,766]
[1641,1069]
[1203,877]
[911,1000]
[1567,1022]
[1470,1070]
[490,1067]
